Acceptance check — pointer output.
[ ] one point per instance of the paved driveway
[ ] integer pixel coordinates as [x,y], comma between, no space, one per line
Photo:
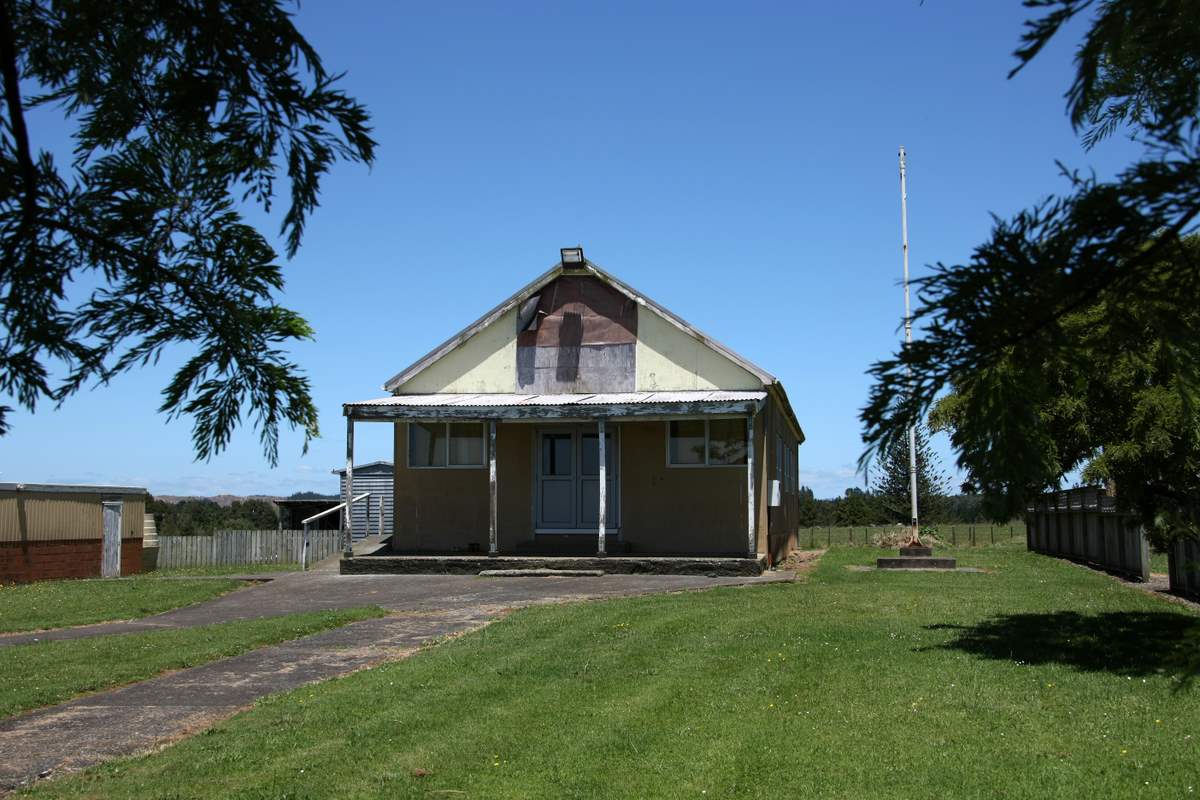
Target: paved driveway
[133,719]
[317,591]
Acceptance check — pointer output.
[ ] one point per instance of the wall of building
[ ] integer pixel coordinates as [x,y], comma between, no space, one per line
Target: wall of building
[677,509]
[778,526]
[52,535]
[670,360]
[582,339]
[589,338]
[437,509]
[485,363]
[663,509]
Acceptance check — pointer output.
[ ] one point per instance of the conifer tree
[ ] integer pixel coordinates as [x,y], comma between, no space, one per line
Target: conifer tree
[891,482]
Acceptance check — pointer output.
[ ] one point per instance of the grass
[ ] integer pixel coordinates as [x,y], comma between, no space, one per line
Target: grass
[50,672]
[57,604]
[1036,678]
[224,569]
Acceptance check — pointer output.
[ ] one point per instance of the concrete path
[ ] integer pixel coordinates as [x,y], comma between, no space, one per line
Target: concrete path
[142,716]
[317,591]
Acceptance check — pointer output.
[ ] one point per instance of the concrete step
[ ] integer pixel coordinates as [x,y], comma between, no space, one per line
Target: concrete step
[542,573]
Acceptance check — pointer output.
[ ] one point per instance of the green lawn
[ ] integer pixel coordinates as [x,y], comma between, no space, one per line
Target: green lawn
[49,672]
[1035,679]
[225,569]
[57,604]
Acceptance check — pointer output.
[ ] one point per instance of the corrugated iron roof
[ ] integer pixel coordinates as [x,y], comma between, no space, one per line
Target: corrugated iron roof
[612,398]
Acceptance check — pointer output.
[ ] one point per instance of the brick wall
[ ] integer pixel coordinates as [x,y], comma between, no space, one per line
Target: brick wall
[131,556]
[24,562]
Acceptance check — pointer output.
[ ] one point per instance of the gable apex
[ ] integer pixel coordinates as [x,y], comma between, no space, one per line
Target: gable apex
[513,305]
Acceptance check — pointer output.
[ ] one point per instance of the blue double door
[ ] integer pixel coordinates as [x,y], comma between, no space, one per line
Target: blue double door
[567,479]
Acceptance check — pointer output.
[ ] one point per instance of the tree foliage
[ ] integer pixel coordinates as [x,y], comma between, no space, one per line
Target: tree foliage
[200,517]
[891,481]
[182,113]
[1123,419]
[1076,282]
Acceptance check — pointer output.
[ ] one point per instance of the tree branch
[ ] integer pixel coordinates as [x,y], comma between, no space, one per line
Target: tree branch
[16,113]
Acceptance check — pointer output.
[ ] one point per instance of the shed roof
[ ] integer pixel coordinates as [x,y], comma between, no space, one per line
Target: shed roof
[71,488]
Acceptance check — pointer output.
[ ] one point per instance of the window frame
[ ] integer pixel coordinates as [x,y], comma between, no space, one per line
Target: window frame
[707,444]
[446,429]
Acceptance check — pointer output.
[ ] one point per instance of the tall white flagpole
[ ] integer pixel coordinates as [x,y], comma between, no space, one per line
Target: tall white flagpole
[912,431]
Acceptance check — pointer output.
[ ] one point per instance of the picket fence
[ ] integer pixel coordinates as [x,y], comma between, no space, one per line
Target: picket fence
[246,547]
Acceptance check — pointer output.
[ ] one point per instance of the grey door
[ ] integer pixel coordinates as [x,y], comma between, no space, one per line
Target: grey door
[567,473]
[110,558]
[556,479]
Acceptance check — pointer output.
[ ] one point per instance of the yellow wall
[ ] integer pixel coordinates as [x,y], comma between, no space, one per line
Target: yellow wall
[667,359]
[670,360]
[486,363]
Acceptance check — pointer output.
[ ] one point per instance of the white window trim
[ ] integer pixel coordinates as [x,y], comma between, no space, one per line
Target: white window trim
[446,425]
[705,465]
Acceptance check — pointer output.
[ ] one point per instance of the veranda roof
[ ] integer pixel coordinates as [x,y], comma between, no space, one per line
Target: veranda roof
[700,402]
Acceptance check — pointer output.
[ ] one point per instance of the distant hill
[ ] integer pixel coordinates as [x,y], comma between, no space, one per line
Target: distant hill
[223,500]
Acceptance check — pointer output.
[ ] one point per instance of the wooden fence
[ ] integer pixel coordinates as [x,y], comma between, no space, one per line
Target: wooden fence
[956,535]
[246,547]
[1084,525]
[1183,563]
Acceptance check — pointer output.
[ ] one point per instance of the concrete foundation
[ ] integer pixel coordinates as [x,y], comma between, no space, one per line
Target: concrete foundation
[618,565]
[915,562]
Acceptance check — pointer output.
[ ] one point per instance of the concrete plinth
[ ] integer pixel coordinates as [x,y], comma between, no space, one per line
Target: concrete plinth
[916,562]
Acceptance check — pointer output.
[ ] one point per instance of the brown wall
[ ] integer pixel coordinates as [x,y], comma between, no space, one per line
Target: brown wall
[437,509]
[57,516]
[677,509]
[778,527]
[24,562]
[663,509]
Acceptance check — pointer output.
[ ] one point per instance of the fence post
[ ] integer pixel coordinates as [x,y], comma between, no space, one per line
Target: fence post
[828,535]
[992,531]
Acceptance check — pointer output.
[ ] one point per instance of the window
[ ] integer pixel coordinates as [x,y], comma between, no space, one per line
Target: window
[445,444]
[686,442]
[702,442]
[727,441]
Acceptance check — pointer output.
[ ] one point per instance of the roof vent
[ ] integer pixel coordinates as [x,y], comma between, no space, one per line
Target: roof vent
[572,257]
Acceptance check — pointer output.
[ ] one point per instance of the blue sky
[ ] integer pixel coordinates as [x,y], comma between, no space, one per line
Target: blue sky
[737,162]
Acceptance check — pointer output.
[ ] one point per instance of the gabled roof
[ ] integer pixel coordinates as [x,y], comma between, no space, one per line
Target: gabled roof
[589,267]
[396,381]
